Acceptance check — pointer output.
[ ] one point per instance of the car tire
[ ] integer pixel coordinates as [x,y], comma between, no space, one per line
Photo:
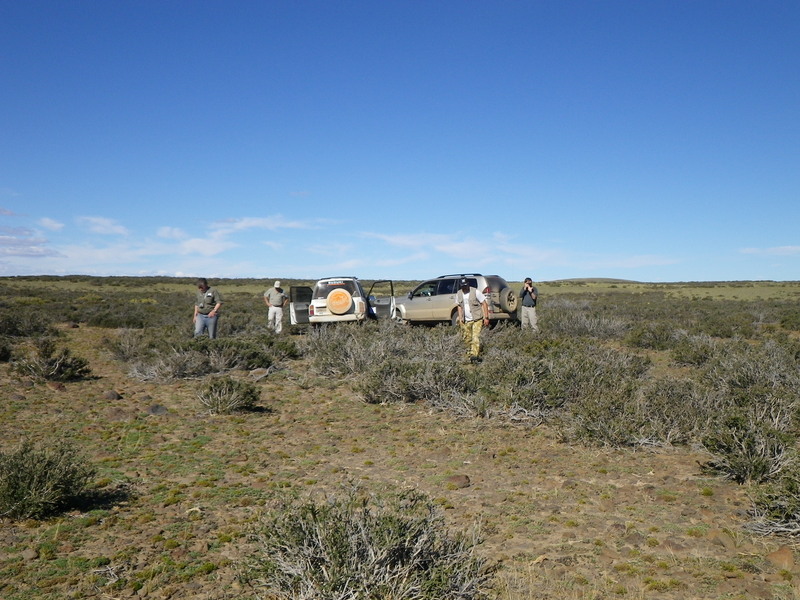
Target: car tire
[454,319]
[508,300]
[339,301]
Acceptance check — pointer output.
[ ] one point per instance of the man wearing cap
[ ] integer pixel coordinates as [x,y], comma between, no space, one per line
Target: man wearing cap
[529,295]
[473,314]
[275,299]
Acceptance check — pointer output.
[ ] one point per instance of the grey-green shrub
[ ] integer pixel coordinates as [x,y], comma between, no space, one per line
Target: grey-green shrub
[651,413]
[745,448]
[693,350]
[47,362]
[225,394]
[776,506]
[39,481]
[580,318]
[657,335]
[409,380]
[362,547]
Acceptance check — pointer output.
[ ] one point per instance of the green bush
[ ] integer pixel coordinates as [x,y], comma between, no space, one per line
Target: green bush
[5,350]
[365,548]
[46,362]
[409,380]
[694,350]
[225,394]
[776,506]
[656,335]
[37,482]
[747,449]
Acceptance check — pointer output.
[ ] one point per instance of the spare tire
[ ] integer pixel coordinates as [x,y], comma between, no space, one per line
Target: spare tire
[339,301]
[508,300]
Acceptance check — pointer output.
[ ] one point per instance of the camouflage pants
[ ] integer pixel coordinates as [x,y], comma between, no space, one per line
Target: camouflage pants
[471,334]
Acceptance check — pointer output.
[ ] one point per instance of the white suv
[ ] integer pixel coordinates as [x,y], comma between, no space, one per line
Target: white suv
[335,299]
[434,301]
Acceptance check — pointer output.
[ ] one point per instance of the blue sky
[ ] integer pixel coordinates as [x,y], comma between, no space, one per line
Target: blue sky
[648,140]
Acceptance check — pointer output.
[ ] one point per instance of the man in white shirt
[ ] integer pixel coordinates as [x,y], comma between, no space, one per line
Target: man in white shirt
[473,314]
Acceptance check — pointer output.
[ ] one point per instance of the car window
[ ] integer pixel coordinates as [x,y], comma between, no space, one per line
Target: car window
[427,289]
[323,288]
[448,286]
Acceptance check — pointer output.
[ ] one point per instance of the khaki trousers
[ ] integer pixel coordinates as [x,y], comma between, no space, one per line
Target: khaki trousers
[529,319]
[471,333]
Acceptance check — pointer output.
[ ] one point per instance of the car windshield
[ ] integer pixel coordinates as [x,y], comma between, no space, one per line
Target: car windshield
[323,288]
[426,289]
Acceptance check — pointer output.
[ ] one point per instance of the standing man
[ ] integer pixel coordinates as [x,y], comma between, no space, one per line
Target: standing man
[275,299]
[206,309]
[473,314]
[529,294]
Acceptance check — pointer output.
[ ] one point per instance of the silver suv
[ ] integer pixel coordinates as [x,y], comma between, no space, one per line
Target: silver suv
[340,299]
[434,301]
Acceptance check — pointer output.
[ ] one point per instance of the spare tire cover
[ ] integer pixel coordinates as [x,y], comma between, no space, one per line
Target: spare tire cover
[508,300]
[339,301]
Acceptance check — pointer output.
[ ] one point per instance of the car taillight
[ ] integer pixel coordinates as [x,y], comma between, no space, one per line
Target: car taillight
[310,310]
[487,290]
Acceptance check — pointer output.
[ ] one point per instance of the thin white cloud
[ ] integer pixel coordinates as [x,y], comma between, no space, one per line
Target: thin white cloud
[102,225]
[273,223]
[330,249]
[205,247]
[774,251]
[51,224]
[171,233]
[6,212]
[23,242]
[272,245]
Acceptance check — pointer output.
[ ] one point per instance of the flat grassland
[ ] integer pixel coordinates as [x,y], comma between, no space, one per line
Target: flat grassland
[562,518]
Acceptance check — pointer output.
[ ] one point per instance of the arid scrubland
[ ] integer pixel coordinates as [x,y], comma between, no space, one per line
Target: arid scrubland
[644,444]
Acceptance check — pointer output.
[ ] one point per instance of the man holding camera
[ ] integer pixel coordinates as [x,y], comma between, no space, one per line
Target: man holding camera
[529,294]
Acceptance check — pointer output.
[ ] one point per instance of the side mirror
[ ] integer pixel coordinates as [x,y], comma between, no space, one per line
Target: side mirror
[410,296]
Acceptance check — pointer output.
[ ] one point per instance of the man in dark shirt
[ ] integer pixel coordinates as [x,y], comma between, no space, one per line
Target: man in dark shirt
[529,294]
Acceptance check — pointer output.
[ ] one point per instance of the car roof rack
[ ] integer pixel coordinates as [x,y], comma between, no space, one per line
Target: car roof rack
[460,275]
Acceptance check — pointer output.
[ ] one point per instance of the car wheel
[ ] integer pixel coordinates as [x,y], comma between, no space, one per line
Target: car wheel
[454,319]
[339,301]
[508,300]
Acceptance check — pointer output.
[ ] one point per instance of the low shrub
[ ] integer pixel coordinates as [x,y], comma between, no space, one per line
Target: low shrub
[25,323]
[570,318]
[693,350]
[5,350]
[39,481]
[569,372]
[362,547]
[46,362]
[776,506]
[746,448]
[224,395]
[187,359]
[409,380]
[726,324]
[656,335]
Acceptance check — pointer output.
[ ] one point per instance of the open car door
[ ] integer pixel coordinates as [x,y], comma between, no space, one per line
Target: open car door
[299,299]
[381,299]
